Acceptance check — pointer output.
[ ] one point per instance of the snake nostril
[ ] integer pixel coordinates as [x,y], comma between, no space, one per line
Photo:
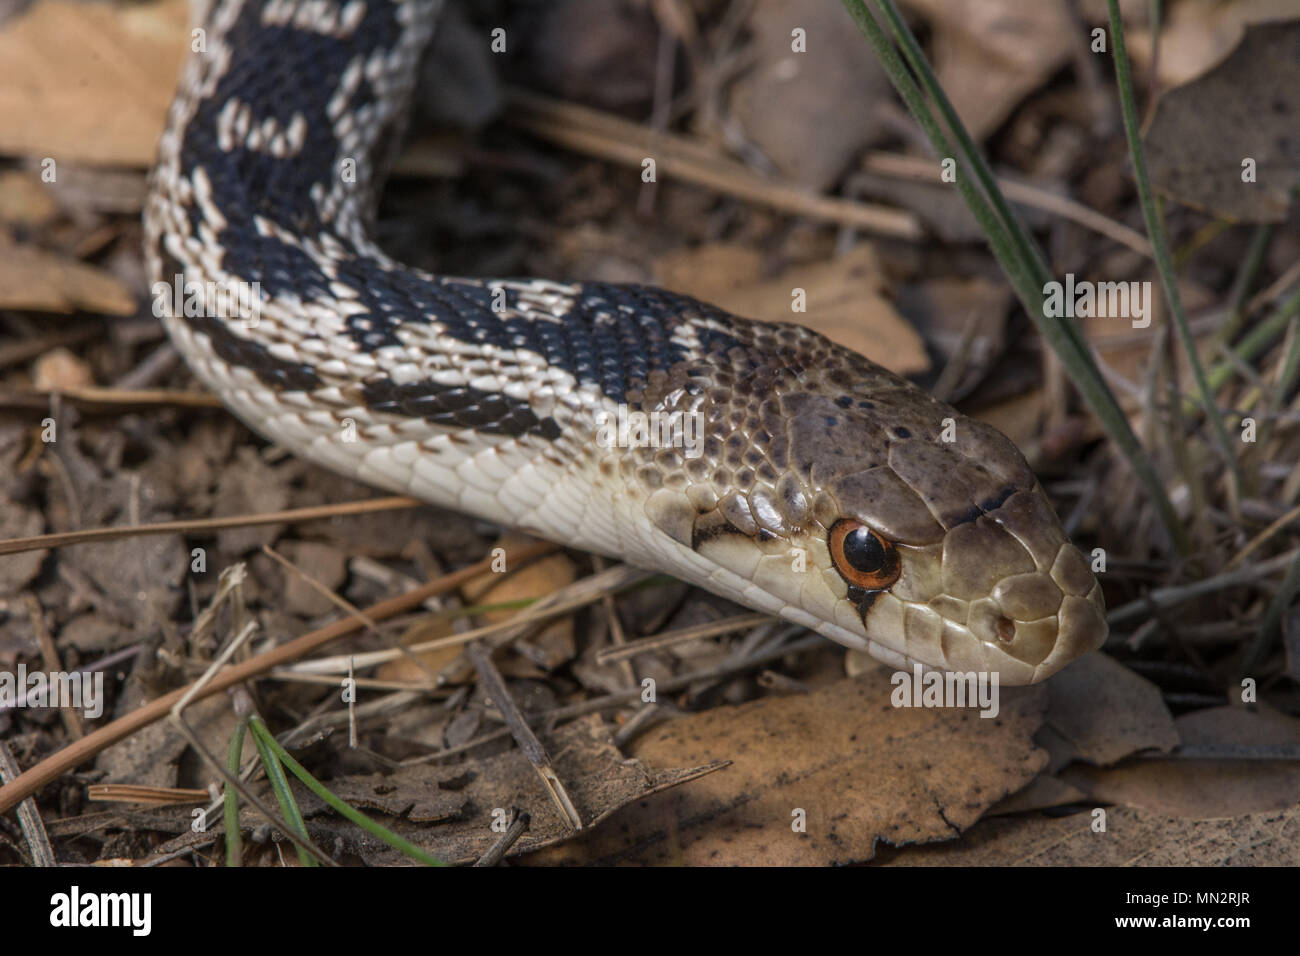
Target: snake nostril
[1006,629]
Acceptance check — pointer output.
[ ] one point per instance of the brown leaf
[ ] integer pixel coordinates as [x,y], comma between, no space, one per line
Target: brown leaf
[1132,838]
[1192,789]
[989,54]
[552,644]
[1196,34]
[861,769]
[87,82]
[23,200]
[44,282]
[809,112]
[324,564]
[845,299]
[1246,108]
[1043,792]
[1208,788]
[418,667]
[950,312]
[1103,711]
[248,485]
[19,521]
[60,368]
[448,811]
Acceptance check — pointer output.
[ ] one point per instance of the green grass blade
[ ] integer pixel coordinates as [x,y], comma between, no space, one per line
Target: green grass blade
[275,774]
[1254,342]
[266,739]
[234,840]
[1160,244]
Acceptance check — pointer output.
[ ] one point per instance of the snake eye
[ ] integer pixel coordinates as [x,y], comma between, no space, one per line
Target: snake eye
[863,558]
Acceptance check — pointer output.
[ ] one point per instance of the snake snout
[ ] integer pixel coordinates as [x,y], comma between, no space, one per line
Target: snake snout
[1031,602]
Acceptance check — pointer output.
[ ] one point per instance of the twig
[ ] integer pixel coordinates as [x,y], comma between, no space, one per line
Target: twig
[1167,597]
[637,722]
[368,506]
[616,635]
[518,825]
[50,658]
[103,664]
[618,140]
[29,818]
[495,686]
[586,591]
[39,398]
[622,697]
[82,750]
[695,632]
[1272,624]
[926,170]
[142,795]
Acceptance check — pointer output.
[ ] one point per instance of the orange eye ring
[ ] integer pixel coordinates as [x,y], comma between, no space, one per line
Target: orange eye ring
[864,558]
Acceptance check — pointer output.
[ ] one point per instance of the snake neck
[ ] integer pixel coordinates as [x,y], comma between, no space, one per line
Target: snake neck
[286,112]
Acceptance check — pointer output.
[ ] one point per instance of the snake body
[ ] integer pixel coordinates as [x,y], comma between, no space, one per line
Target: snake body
[819,486]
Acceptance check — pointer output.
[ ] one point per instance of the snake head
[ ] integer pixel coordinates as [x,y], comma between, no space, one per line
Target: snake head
[842,497]
[942,544]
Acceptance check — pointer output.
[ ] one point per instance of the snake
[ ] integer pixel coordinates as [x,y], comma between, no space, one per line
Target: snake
[760,461]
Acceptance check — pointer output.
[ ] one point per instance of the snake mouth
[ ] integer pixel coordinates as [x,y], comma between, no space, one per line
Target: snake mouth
[951,635]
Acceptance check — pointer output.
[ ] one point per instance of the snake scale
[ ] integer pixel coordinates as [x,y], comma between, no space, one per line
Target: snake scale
[821,488]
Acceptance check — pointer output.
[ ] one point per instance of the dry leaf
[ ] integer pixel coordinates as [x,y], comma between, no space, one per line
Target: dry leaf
[809,112]
[323,564]
[553,644]
[1192,789]
[718,268]
[988,54]
[1132,838]
[1043,793]
[449,810]
[1236,730]
[1232,786]
[1196,34]
[948,312]
[19,521]
[248,485]
[1244,111]
[1104,711]
[418,667]
[845,300]
[59,368]
[1020,418]
[24,201]
[44,282]
[860,769]
[88,82]
[939,206]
